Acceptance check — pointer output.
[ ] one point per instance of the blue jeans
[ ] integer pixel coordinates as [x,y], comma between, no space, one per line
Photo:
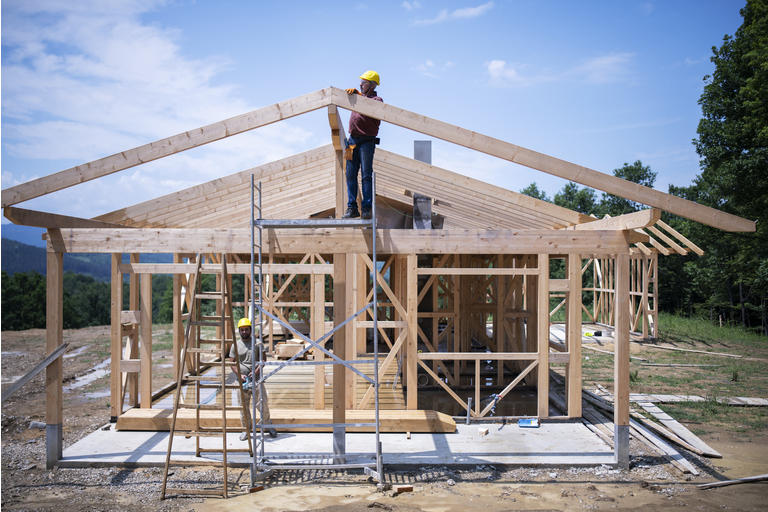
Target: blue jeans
[362,156]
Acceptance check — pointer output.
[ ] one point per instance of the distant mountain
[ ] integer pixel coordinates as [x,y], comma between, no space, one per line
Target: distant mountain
[21,257]
[25,234]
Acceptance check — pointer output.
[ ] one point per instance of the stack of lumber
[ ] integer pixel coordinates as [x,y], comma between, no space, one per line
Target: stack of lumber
[597,415]
[293,387]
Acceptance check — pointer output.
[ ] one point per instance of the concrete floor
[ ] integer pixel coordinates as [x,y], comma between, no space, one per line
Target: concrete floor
[553,443]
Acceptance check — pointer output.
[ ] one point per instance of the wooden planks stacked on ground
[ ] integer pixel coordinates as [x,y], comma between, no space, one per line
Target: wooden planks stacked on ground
[293,387]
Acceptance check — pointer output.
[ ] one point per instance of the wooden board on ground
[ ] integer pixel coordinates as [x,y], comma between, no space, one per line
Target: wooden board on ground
[391,421]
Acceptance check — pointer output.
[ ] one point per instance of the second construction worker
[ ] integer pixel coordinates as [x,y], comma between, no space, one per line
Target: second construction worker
[245,362]
[362,141]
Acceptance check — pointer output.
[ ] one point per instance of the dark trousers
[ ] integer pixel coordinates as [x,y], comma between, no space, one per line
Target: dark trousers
[362,157]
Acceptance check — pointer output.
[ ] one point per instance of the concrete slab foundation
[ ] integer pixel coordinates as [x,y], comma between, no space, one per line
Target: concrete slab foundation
[552,444]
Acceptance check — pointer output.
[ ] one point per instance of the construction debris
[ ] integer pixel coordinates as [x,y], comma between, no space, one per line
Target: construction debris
[745,480]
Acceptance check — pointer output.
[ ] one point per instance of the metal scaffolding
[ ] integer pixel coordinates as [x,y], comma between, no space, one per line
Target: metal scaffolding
[263,465]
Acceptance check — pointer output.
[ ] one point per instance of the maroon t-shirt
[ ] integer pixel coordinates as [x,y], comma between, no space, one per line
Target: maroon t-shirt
[364,125]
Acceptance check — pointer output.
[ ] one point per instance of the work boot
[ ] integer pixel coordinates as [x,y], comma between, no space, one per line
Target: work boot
[244,436]
[366,213]
[351,213]
[272,433]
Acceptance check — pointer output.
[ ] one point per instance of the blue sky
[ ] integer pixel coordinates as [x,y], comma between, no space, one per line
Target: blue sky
[596,83]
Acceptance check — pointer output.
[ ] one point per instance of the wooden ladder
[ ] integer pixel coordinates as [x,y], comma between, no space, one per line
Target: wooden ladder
[200,373]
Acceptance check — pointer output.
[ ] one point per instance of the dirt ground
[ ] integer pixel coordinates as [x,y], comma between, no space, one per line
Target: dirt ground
[650,482]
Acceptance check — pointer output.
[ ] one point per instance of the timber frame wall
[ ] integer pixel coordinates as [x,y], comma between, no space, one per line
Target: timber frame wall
[481,265]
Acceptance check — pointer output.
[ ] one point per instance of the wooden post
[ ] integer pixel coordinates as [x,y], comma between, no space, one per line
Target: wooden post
[498,321]
[116,306]
[178,325]
[573,325]
[457,320]
[350,344]
[532,319]
[145,347]
[361,287]
[412,316]
[543,336]
[318,329]
[132,380]
[644,301]
[54,337]
[339,348]
[621,362]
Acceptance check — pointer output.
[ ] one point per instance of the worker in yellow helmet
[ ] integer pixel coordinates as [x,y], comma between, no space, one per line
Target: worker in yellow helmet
[363,131]
[245,362]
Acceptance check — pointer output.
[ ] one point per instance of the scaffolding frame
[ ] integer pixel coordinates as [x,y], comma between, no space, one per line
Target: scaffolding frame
[261,466]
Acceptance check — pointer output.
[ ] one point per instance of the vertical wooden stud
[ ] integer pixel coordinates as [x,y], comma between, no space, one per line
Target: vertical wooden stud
[411,311]
[318,329]
[145,347]
[574,336]
[339,348]
[621,360]
[54,337]
[543,336]
[116,306]
[350,347]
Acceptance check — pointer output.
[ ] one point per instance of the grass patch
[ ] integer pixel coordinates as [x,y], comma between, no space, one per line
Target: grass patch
[676,329]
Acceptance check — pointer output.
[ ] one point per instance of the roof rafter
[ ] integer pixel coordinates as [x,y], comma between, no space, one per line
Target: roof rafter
[541,162]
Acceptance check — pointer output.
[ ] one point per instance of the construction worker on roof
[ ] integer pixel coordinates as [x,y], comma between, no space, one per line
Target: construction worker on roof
[362,143]
[245,362]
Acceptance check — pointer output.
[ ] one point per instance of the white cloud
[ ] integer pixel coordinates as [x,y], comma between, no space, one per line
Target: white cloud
[610,68]
[605,69]
[434,69]
[86,79]
[409,6]
[457,14]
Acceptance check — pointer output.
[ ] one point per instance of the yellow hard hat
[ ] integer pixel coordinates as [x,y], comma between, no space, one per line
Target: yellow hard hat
[244,322]
[372,76]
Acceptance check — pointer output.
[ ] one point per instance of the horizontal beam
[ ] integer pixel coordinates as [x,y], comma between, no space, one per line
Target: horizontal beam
[634,220]
[490,271]
[554,357]
[330,241]
[24,217]
[541,162]
[165,147]
[232,268]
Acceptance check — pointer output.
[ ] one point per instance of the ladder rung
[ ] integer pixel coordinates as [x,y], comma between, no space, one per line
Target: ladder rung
[211,340]
[200,433]
[199,492]
[214,351]
[203,378]
[218,386]
[208,295]
[229,450]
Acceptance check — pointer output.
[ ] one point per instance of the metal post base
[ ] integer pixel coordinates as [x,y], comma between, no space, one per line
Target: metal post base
[53,444]
[621,445]
[339,444]
[373,474]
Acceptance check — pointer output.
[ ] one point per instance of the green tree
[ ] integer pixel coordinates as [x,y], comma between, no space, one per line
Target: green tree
[733,145]
[579,199]
[533,190]
[636,173]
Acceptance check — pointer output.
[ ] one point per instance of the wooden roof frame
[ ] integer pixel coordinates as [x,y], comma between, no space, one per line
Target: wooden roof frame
[333,97]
